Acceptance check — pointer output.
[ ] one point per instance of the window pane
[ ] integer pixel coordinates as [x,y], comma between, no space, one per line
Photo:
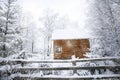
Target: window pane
[58,49]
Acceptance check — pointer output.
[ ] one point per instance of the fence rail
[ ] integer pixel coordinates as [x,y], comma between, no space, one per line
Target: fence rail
[59,61]
[70,77]
[70,68]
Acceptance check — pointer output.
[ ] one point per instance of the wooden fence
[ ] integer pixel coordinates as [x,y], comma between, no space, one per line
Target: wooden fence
[74,67]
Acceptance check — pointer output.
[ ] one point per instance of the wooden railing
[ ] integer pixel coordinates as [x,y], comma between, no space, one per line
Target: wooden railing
[74,67]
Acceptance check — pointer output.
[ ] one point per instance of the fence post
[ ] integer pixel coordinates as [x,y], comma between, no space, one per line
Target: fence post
[0,75]
[23,57]
[74,64]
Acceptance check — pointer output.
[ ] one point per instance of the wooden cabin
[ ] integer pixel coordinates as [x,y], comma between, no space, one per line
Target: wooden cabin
[66,44]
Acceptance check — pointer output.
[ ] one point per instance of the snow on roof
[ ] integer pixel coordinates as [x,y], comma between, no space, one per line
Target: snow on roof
[70,34]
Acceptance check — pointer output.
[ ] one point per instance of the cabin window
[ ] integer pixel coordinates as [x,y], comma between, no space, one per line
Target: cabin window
[58,49]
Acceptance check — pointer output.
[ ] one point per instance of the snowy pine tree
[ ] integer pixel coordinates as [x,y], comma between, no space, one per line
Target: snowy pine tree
[105,23]
[10,43]
[10,34]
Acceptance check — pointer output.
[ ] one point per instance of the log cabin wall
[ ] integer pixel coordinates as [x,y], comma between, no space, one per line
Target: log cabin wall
[64,49]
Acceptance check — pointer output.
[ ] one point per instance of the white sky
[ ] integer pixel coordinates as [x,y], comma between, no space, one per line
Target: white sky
[74,9]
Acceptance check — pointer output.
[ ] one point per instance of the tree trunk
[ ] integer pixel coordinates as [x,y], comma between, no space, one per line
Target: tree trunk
[32,46]
[5,33]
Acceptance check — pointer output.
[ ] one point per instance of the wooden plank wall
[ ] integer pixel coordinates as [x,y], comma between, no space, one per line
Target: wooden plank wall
[70,47]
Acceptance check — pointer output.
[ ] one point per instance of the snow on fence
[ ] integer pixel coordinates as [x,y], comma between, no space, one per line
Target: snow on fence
[73,67]
[59,61]
[68,68]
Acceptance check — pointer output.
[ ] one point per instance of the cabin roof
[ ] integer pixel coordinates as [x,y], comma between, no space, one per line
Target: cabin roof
[70,34]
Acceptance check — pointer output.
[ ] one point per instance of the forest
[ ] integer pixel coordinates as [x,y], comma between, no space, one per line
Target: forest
[26,39]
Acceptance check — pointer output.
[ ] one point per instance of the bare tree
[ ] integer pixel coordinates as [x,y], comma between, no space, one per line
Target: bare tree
[50,21]
[29,32]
